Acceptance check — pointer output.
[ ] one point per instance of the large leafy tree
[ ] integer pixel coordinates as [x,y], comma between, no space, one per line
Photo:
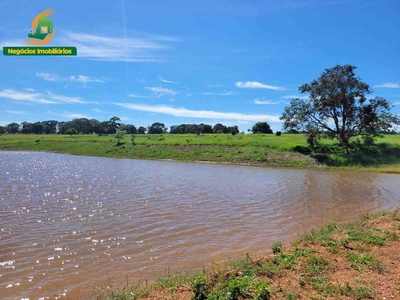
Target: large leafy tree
[261,127]
[156,128]
[338,105]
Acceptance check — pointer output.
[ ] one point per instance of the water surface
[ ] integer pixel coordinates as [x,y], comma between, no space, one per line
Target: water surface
[69,223]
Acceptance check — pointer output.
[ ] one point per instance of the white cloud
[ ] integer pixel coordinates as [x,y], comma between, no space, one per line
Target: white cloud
[17,112]
[85,79]
[131,49]
[294,97]
[48,76]
[36,97]
[393,85]
[159,91]
[224,93]
[139,96]
[100,111]
[74,115]
[65,99]
[258,85]
[267,102]
[189,95]
[80,78]
[167,81]
[201,114]
[29,90]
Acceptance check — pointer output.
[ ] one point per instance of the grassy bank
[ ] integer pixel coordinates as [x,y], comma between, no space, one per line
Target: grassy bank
[288,150]
[340,261]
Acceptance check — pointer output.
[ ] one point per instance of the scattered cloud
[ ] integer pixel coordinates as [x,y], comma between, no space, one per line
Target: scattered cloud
[201,114]
[80,78]
[100,111]
[391,85]
[48,76]
[159,91]
[224,93]
[140,96]
[267,102]
[29,90]
[189,95]
[167,81]
[65,99]
[16,112]
[257,85]
[35,97]
[85,79]
[294,97]
[74,115]
[145,48]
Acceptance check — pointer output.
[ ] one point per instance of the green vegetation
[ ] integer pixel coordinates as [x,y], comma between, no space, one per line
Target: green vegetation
[359,269]
[287,150]
[337,105]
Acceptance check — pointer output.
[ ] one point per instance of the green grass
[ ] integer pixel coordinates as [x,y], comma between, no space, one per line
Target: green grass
[288,150]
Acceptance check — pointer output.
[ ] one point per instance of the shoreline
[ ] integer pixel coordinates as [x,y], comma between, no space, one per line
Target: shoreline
[319,167]
[241,150]
[357,260]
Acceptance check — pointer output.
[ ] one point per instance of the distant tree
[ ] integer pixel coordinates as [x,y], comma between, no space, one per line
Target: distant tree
[96,126]
[50,126]
[204,128]
[233,130]
[156,128]
[71,131]
[337,104]
[26,127]
[261,127]
[2,130]
[113,124]
[141,130]
[12,127]
[119,135]
[129,128]
[38,128]
[219,128]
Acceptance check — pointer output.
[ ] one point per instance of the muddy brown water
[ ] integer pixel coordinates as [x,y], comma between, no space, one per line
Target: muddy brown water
[70,223]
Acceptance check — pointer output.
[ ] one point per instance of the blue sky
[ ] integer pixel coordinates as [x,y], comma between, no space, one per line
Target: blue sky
[235,62]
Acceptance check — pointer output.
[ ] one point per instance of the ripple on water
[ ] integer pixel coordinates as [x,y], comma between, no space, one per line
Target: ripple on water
[69,222]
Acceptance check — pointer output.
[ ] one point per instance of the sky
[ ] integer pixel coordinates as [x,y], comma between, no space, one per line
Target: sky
[234,62]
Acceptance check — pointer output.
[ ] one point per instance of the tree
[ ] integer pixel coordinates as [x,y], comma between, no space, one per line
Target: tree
[71,131]
[156,128]
[261,127]
[119,135]
[50,126]
[113,124]
[12,127]
[233,130]
[220,128]
[141,130]
[37,128]
[2,130]
[338,106]
[129,128]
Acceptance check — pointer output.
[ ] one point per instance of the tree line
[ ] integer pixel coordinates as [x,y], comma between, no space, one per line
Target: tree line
[93,126]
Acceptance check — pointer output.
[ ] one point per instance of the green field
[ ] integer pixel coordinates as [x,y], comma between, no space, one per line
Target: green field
[251,149]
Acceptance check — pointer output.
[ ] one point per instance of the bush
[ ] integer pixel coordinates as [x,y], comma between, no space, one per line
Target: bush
[71,131]
[277,247]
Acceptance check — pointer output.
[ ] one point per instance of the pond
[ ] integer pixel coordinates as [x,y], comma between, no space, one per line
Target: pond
[70,223]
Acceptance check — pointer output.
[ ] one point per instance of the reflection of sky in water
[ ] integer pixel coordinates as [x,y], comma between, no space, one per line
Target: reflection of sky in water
[69,222]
